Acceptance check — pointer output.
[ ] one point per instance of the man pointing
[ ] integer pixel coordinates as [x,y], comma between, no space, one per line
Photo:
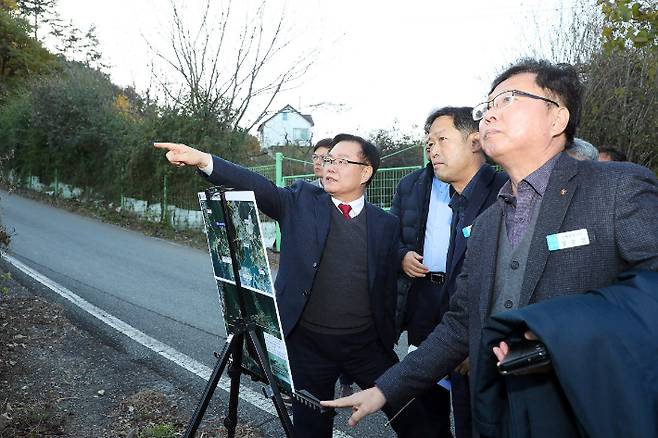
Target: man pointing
[335,288]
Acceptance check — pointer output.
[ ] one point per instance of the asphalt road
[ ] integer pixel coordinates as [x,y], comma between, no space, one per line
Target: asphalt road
[164,289]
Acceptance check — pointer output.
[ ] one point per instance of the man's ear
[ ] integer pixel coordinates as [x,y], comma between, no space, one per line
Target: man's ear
[473,141]
[560,121]
[365,174]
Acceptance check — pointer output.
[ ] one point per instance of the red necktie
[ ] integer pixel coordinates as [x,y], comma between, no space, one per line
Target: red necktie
[345,208]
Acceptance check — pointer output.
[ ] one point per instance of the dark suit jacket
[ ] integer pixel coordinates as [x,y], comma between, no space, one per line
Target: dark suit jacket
[303,213]
[483,195]
[617,203]
[605,379]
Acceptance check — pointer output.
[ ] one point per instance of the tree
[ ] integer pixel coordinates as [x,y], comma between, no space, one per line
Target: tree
[222,76]
[629,23]
[39,11]
[398,149]
[620,76]
[620,101]
[20,55]
[73,45]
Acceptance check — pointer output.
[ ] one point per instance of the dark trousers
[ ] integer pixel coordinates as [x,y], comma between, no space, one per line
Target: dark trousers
[318,359]
[461,405]
[344,380]
[423,314]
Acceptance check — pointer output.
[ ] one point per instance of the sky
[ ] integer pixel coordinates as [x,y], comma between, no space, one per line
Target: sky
[376,64]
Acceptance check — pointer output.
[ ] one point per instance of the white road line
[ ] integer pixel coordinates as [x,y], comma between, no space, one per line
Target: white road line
[246,394]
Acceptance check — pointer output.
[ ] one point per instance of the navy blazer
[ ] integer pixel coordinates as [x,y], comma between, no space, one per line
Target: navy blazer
[304,215]
[605,380]
[617,203]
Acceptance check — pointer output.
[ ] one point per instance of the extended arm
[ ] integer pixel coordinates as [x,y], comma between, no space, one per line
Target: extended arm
[270,198]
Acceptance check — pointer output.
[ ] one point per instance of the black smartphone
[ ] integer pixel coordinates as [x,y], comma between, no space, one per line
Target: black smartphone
[524,358]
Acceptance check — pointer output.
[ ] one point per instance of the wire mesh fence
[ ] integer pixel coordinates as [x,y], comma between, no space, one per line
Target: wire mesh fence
[382,187]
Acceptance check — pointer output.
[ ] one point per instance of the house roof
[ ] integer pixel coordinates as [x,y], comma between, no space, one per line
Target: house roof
[287,108]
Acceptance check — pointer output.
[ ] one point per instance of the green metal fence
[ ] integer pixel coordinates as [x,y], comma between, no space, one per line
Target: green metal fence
[380,191]
[269,171]
[382,187]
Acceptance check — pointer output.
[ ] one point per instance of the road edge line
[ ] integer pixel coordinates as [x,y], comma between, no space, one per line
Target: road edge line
[184,361]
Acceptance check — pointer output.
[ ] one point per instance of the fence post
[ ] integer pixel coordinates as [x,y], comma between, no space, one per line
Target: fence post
[278,180]
[121,183]
[56,183]
[278,169]
[163,213]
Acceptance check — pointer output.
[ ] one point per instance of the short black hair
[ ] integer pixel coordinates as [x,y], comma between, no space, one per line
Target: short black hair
[615,154]
[462,118]
[324,143]
[369,151]
[560,80]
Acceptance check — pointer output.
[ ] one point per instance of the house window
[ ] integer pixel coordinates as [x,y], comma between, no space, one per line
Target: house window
[300,134]
[285,117]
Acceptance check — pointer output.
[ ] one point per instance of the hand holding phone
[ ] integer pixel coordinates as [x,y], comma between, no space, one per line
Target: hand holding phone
[524,358]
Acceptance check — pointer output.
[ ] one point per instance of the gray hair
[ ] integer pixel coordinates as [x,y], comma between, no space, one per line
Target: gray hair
[583,150]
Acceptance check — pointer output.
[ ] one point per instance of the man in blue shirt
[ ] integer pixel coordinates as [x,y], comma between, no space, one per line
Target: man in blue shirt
[459,160]
[421,203]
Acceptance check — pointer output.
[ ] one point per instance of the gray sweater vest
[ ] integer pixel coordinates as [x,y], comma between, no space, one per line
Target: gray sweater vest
[510,267]
[339,303]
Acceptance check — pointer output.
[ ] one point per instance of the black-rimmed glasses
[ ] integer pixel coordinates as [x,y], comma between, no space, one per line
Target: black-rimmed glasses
[340,162]
[501,100]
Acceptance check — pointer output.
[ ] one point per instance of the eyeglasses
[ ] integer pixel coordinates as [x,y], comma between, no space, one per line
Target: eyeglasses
[340,162]
[504,99]
[317,158]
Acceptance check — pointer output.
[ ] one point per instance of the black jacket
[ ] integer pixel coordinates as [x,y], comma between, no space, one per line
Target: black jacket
[604,351]
[410,204]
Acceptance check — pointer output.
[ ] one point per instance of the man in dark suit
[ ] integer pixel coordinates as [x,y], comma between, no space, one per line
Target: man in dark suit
[457,159]
[336,248]
[421,202]
[559,227]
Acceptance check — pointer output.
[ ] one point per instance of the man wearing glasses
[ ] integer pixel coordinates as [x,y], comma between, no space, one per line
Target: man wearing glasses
[335,287]
[320,150]
[519,251]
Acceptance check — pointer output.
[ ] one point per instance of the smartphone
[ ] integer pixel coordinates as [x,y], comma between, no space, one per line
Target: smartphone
[524,358]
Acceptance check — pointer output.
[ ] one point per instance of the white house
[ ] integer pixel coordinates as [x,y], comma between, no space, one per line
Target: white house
[286,127]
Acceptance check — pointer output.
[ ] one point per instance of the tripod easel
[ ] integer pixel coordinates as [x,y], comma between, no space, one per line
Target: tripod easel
[233,350]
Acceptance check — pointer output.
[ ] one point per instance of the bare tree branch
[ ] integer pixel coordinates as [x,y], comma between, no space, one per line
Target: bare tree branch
[227,90]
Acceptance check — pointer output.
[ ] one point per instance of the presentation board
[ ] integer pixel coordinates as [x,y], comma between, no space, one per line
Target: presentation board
[257,291]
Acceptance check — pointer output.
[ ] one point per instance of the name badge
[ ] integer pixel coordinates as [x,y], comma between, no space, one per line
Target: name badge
[466,231]
[567,239]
